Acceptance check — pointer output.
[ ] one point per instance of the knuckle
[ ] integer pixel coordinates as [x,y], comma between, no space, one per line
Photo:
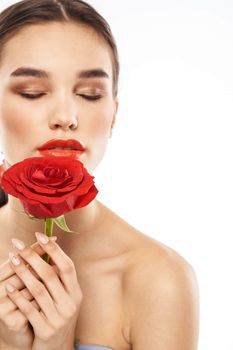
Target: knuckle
[70,310]
[15,321]
[58,323]
[46,334]
[34,273]
[28,309]
[78,299]
[21,321]
[26,294]
[68,266]
[37,290]
[49,273]
[10,322]
[16,281]
[79,294]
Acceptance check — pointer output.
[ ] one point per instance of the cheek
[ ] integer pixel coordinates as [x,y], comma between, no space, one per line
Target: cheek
[99,127]
[13,120]
[99,124]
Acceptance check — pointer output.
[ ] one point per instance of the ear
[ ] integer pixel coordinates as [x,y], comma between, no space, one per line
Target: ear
[116,103]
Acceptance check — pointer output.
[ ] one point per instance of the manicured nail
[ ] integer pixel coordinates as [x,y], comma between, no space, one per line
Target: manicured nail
[15,259]
[42,238]
[18,244]
[9,288]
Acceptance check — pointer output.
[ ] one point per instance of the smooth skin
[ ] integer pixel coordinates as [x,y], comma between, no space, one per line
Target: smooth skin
[166,294]
[56,294]
[164,315]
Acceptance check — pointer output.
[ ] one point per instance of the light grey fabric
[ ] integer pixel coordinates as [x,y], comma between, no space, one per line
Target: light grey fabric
[91,347]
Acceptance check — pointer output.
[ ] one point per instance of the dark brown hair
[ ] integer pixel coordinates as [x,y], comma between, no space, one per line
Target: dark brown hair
[26,12]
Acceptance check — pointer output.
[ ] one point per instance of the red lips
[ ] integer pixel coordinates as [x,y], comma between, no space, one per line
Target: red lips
[74,144]
[48,148]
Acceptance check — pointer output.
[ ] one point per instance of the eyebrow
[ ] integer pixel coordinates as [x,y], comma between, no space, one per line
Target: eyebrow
[38,73]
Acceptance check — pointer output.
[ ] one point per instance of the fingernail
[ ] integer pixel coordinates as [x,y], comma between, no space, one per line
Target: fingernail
[18,244]
[9,288]
[41,238]
[15,259]
[53,238]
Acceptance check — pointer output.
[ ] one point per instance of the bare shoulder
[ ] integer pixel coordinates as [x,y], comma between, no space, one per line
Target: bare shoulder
[153,258]
[147,257]
[161,302]
[161,298]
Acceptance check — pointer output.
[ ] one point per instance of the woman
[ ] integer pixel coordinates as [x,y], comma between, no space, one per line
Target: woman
[111,286]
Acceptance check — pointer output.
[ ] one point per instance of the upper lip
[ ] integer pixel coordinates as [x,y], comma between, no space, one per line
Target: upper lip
[74,144]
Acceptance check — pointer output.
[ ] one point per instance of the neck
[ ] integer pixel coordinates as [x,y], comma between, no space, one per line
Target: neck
[17,224]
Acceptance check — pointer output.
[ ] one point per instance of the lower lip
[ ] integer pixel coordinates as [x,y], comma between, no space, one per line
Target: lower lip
[61,153]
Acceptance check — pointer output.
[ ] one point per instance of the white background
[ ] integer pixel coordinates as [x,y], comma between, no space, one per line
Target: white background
[168,168]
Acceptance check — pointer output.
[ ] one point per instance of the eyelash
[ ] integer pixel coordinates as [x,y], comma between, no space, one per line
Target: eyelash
[92,98]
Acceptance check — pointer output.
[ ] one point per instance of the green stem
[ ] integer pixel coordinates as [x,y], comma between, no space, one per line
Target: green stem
[48,231]
[76,341]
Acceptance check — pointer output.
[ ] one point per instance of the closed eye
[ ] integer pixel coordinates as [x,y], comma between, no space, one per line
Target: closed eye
[24,94]
[35,96]
[90,97]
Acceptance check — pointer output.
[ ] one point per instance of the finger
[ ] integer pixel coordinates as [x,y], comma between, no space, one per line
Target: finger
[6,270]
[47,275]
[7,305]
[34,316]
[65,267]
[35,287]
[27,295]
[16,281]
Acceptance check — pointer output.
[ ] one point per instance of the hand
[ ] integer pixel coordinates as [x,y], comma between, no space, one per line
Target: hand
[59,296]
[15,330]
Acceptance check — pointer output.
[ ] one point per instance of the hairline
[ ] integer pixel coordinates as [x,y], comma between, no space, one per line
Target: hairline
[85,25]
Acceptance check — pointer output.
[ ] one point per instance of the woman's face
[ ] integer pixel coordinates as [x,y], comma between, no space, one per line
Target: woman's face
[60,110]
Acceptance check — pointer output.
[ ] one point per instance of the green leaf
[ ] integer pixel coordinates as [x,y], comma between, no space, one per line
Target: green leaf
[61,222]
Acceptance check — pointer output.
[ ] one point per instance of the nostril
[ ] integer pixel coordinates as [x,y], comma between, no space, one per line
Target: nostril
[73,127]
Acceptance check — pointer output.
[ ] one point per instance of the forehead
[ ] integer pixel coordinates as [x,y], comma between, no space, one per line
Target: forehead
[57,45]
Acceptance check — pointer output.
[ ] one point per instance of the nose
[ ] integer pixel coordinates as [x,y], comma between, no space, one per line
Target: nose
[64,116]
[64,123]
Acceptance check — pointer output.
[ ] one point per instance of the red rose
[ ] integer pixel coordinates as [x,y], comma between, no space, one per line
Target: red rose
[49,187]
